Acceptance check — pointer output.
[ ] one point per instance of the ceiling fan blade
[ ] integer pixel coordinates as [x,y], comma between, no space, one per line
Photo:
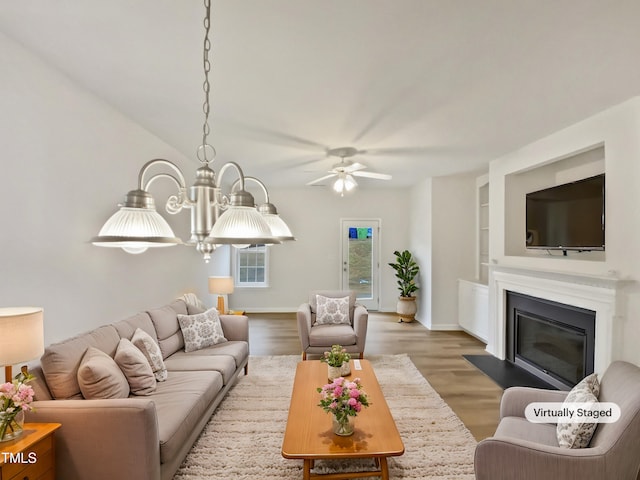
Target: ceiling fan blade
[354,167]
[377,176]
[318,180]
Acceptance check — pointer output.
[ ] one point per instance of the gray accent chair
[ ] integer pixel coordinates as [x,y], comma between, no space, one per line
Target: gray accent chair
[316,339]
[529,451]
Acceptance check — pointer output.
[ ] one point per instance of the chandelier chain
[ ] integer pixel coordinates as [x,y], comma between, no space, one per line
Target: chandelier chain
[206,87]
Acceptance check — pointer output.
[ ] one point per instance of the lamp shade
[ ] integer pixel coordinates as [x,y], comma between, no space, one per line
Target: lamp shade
[279,228]
[241,225]
[221,285]
[135,229]
[21,334]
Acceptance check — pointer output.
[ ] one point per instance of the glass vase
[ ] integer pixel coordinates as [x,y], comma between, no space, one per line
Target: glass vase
[11,425]
[343,425]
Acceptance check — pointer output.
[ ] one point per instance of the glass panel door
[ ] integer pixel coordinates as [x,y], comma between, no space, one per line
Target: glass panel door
[360,262]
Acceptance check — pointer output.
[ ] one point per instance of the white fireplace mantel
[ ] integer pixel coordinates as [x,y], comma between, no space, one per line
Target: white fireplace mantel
[602,294]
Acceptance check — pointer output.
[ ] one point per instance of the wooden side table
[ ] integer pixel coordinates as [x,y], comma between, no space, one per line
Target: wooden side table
[30,456]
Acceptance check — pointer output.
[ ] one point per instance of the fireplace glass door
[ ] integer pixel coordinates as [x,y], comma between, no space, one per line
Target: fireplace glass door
[557,350]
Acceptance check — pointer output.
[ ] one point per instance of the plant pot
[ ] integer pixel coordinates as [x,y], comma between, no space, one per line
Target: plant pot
[406,309]
[341,371]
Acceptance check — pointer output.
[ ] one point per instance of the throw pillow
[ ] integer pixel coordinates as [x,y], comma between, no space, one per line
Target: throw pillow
[135,367]
[201,330]
[332,310]
[100,377]
[151,351]
[578,434]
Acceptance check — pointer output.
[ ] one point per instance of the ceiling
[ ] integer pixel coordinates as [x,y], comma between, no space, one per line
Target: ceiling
[424,87]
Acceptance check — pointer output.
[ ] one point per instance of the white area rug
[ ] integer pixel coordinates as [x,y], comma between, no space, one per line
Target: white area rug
[243,440]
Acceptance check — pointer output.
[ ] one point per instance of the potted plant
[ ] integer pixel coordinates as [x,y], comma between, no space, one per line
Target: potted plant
[406,271]
[338,362]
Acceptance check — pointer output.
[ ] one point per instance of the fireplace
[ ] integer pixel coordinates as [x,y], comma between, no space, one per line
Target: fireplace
[554,341]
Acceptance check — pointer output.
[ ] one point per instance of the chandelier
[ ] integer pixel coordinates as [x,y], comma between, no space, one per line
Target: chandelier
[216,218]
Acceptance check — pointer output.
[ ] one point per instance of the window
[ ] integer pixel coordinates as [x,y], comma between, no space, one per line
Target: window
[252,266]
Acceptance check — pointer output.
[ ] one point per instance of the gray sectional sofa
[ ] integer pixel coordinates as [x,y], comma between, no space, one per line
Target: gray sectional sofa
[139,437]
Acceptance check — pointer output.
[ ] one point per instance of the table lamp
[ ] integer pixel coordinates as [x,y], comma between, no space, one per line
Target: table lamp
[221,286]
[21,336]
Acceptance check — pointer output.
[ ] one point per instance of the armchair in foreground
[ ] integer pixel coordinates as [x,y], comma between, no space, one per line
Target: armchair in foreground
[529,451]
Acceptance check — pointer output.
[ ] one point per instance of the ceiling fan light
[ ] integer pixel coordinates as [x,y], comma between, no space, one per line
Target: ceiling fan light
[339,185]
[350,183]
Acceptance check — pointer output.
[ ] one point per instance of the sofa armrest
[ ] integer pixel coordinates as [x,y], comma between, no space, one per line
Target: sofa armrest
[360,322]
[509,458]
[235,327]
[515,399]
[103,439]
[303,317]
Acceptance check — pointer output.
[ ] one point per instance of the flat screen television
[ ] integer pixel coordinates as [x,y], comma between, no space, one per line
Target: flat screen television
[567,217]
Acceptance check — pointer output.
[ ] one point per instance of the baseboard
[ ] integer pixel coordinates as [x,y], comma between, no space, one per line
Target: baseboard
[445,326]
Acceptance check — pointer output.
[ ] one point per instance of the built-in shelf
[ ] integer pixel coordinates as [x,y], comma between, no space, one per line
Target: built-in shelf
[482,222]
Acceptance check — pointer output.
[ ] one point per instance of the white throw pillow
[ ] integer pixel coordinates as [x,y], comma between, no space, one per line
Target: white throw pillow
[201,330]
[578,434]
[332,310]
[151,351]
[135,367]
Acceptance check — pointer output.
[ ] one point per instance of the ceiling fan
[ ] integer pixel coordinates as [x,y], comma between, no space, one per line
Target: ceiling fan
[346,170]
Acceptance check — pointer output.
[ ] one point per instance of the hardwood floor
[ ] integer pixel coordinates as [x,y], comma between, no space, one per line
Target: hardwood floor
[438,355]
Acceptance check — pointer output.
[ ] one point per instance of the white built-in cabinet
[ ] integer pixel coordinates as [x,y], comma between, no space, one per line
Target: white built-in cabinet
[473,308]
[473,295]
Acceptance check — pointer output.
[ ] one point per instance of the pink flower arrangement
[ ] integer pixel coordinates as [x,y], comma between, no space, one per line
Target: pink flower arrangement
[343,398]
[15,397]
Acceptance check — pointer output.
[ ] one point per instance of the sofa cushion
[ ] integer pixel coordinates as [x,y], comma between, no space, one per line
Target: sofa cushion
[100,377]
[181,402]
[323,335]
[136,368]
[165,322]
[578,434]
[238,350]
[192,362]
[127,327]
[201,330]
[147,345]
[332,310]
[60,361]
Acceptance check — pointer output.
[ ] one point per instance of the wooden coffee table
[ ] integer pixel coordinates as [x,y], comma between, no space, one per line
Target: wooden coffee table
[309,434]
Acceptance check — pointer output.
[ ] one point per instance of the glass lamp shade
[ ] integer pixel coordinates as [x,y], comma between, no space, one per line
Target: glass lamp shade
[241,225]
[345,182]
[136,229]
[278,227]
[21,334]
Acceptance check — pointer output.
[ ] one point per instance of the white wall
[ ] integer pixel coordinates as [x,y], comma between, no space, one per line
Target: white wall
[67,160]
[618,129]
[443,241]
[313,261]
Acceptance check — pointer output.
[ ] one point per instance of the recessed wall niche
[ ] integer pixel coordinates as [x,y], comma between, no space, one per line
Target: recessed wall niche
[569,168]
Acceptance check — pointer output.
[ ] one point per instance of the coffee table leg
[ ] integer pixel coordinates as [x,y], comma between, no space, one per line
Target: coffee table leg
[384,470]
[306,474]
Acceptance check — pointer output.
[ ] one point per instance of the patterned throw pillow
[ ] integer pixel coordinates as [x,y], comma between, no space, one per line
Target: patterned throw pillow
[332,310]
[201,330]
[151,350]
[578,434]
